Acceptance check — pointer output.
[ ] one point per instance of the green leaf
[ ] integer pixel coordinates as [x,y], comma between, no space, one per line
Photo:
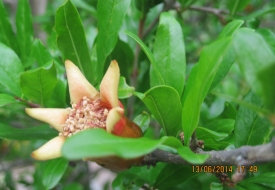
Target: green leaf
[267,81]
[149,55]
[30,133]
[6,99]
[110,18]
[202,133]
[38,85]
[73,186]
[190,156]
[40,52]
[143,121]
[129,181]
[269,37]
[216,186]
[238,5]
[250,128]
[253,55]
[86,6]
[259,13]
[24,32]
[229,57]
[71,39]
[172,175]
[221,125]
[169,54]
[198,84]
[98,143]
[266,179]
[7,36]
[124,91]
[53,171]
[11,67]
[164,103]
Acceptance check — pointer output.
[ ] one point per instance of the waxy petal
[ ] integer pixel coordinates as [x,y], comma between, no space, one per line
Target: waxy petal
[113,117]
[53,116]
[50,150]
[79,86]
[109,85]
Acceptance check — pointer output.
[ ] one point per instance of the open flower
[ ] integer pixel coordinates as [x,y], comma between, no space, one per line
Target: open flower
[90,109]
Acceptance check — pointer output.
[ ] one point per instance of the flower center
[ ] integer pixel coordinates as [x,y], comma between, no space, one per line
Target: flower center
[86,114]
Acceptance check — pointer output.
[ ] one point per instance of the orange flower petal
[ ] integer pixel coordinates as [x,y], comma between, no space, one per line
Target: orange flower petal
[50,150]
[109,85]
[78,84]
[53,116]
[113,117]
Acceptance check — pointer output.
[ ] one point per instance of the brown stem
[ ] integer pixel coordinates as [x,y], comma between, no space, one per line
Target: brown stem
[243,156]
[30,104]
[134,74]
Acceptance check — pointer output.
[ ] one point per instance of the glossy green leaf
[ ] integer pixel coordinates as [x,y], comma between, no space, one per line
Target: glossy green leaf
[229,57]
[250,128]
[99,143]
[164,103]
[124,91]
[216,186]
[230,28]
[24,31]
[71,39]
[38,85]
[269,37]
[110,17]
[150,56]
[40,52]
[221,125]
[129,181]
[267,80]
[190,156]
[253,55]
[203,132]
[198,84]
[7,36]
[172,175]
[11,67]
[73,186]
[30,133]
[143,121]
[169,53]
[6,99]
[53,171]
[84,5]
[266,179]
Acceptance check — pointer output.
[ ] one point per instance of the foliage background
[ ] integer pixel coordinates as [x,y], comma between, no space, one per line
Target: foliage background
[228,113]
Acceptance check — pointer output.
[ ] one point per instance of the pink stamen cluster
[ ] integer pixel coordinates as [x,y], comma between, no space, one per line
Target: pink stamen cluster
[86,114]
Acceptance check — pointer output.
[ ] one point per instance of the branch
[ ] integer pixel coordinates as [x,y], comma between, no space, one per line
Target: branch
[243,156]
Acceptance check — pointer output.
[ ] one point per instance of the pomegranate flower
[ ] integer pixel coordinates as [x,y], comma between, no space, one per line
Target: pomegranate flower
[90,109]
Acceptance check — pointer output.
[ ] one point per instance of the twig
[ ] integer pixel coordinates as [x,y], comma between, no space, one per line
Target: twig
[243,156]
[30,104]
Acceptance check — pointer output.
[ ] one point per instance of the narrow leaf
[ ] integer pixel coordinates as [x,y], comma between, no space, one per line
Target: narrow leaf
[198,85]
[24,34]
[149,55]
[11,67]
[7,36]
[169,53]
[38,85]
[30,133]
[53,171]
[250,128]
[164,103]
[110,17]
[71,39]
